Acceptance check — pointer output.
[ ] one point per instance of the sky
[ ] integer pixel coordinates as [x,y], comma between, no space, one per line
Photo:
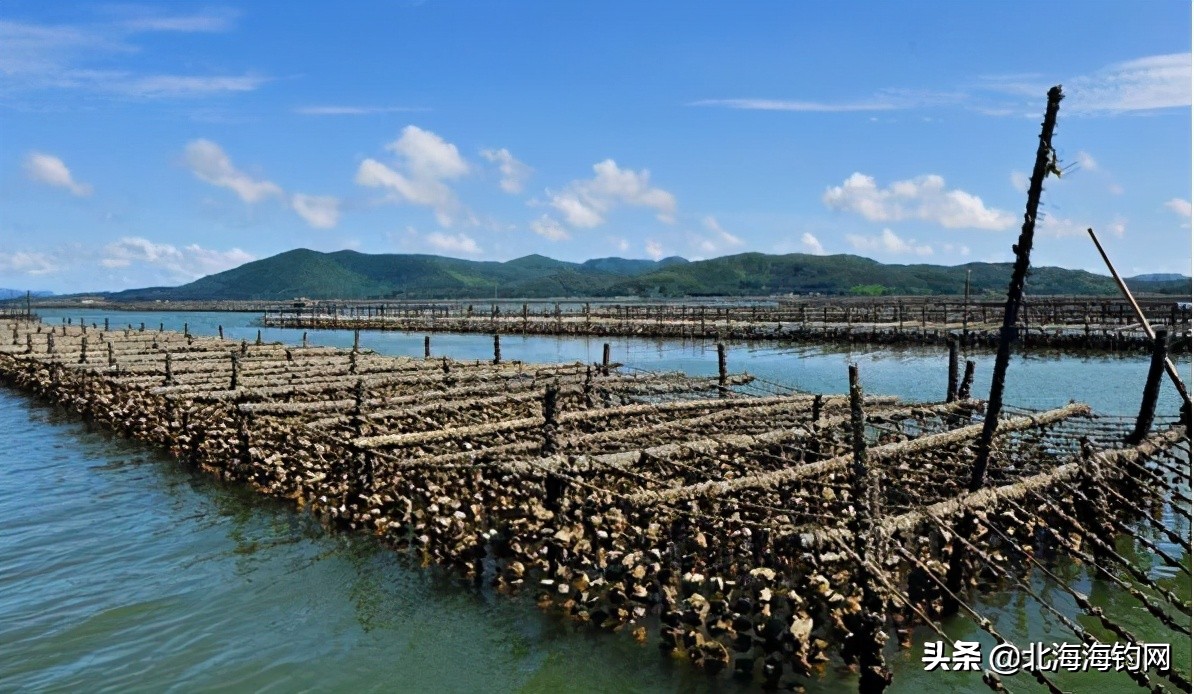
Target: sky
[152,144]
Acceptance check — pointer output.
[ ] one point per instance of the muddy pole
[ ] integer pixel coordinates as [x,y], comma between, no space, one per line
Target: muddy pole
[967,381]
[605,359]
[304,338]
[721,369]
[356,339]
[497,349]
[220,330]
[232,385]
[105,325]
[1152,388]
[83,351]
[169,378]
[951,389]
[111,356]
[426,346]
[1045,162]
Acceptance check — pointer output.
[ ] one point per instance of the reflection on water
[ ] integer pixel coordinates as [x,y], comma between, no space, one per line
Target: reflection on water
[120,569]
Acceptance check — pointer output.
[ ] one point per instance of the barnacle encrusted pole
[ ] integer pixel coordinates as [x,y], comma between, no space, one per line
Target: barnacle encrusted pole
[868,634]
[1045,162]
[1152,388]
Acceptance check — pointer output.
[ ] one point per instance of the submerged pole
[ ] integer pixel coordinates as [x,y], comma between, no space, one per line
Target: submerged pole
[967,381]
[1152,388]
[951,388]
[721,369]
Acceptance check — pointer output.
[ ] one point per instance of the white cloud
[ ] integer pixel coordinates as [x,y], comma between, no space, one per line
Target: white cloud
[514,172]
[211,165]
[1144,84]
[28,263]
[426,161]
[550,229]
[46,56]
[188,263]
[654,249]
[50,170]
[1119,226]
[584,203]
[812,244]
[957,249]
[458,243]
[619,243]
[353,110]
[884,100]
[888,242]
[207,22]
[1180,207]
[1060,227]
[924,198]
[1087,162]
[320,211]
[153,86]
[723,237]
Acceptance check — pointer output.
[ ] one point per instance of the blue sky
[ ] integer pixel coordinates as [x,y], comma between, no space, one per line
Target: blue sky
[146,144]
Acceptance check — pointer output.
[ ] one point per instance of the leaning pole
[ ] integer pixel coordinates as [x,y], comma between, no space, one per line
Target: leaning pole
[1045,163]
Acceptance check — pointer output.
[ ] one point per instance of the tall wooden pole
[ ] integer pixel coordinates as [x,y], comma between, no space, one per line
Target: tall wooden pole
[1045,162]
[1144,324]
[1015,291]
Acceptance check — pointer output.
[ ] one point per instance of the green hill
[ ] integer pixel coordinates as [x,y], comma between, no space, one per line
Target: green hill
[353,275]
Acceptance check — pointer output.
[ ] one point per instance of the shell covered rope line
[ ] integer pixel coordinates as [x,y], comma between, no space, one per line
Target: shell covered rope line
[637,498]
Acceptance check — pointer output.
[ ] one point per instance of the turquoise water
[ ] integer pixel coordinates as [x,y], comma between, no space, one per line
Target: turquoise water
[121,570]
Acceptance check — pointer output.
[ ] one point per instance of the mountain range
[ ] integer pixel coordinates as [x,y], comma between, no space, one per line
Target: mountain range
[352,275]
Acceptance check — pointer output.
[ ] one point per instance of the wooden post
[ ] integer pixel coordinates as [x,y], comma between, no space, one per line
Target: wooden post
[967,381]
[105,325]
[1015,292]
[497,349]
[111,356]
[83,351]
[951,390]
[1015,295]
[1148,329]
[867,631]
[550,394]
[235,371]
[966,311]
[605,359]
[356,339]
[169,379]
[721,369]
[220,330]
[304,338]
[259,343]
[426,346]
[1152,388]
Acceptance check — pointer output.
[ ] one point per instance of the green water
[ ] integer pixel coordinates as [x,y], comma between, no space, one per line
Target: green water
[120,570]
